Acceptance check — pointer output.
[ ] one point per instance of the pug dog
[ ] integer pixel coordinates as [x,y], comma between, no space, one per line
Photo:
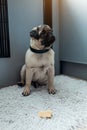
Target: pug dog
[39,60]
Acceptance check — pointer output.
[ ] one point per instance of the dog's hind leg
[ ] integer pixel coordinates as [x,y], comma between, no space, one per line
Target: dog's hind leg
[35,84]
[22,75]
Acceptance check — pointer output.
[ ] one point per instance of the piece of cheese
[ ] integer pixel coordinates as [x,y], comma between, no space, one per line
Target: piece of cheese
[45,114]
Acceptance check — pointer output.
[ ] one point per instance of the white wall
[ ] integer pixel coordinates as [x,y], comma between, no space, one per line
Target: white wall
[23,15]
[73,31]
[55,15]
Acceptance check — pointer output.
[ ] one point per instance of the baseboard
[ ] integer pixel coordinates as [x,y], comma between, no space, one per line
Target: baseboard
[74,69]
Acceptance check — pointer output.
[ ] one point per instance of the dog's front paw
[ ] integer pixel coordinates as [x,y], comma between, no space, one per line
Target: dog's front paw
[26,91]
[52,91]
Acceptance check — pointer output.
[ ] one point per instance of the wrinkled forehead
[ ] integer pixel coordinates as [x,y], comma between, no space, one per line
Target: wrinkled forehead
[41,27]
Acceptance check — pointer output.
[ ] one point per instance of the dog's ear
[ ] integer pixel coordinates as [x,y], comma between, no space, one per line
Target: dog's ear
[52,39]
[34,34]
[47,42]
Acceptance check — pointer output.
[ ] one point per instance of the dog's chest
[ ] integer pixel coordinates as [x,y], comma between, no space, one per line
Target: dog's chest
[39,60]
[40,73]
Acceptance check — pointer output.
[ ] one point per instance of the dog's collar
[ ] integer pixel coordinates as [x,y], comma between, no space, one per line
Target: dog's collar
[39,51]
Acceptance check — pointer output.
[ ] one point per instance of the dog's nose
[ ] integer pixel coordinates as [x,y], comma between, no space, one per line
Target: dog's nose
[34,34]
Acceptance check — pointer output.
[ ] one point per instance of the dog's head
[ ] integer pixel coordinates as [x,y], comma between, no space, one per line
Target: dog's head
[43,33]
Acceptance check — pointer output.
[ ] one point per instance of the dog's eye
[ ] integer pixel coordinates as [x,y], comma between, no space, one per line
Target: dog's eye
[38,29]
[43,32]
[50,30]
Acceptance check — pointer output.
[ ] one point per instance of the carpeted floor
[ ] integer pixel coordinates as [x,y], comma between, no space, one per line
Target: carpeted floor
[69,106]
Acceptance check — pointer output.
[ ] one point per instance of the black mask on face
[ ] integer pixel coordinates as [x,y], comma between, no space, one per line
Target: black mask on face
[47,43]
[34,34]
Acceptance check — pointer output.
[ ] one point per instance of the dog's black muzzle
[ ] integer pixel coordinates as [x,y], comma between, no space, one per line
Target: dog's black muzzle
[34,34]
[47,37]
